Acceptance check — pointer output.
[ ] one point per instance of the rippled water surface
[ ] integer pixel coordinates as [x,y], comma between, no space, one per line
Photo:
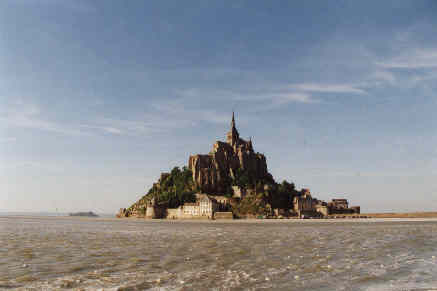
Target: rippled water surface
[88,254]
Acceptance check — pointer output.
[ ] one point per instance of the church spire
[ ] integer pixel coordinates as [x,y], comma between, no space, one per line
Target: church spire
[232,136]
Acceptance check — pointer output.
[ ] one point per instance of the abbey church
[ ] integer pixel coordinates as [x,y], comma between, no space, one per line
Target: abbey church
[214,172]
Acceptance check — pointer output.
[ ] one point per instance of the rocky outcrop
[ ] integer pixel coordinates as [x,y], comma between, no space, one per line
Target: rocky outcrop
[231,169]
[215,172]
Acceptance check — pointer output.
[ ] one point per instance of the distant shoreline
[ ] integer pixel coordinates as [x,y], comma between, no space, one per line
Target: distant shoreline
[372,217]
[402,215]
[424,214]
[362,216]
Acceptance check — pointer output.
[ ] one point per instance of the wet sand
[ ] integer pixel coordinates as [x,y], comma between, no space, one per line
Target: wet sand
[46,253]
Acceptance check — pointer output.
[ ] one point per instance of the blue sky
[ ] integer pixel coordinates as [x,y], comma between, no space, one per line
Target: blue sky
[97,98]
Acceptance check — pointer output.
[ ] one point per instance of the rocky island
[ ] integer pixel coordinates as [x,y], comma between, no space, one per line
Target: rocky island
[86,214]
[232,181]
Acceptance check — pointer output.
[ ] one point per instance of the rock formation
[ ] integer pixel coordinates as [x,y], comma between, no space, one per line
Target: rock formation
[215,172]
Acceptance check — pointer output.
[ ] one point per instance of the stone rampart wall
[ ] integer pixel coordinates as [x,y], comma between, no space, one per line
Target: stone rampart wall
[223,215]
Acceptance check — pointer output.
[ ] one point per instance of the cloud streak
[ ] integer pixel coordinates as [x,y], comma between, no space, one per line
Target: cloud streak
[328,88]
[7,139]
[417,59]
[21,115]
[271,95]
[383,76]
[165,117]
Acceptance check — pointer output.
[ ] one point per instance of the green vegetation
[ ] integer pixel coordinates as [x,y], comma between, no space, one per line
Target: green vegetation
[263,200]
[242,179]
[175,189]
[142,210]
[252,205]
[282,195]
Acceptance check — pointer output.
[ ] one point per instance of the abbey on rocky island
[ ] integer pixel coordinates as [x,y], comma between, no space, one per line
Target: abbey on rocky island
[231,181]
[214,173]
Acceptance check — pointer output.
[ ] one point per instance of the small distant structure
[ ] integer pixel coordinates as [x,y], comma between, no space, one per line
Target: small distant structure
[322,208]
[306,206]
[154,210]
[122,212]
[341,206]
[340,203]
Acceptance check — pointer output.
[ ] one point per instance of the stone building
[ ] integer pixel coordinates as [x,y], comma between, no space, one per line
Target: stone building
[224,215]
[340,203]
[122,212]
[322,208]
[206,206]
[304,205]
[307,206]
[356,209]
[191,209]
[341,206]
[214,172]
[173,213]
[223,203]
[150,209]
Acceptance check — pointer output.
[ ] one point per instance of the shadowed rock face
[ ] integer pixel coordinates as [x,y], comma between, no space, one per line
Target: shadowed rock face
[214,173]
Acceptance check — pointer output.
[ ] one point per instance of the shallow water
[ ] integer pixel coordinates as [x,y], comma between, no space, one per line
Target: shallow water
[44,253]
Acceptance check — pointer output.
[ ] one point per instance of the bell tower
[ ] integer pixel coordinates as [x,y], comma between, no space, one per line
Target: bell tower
[232,136]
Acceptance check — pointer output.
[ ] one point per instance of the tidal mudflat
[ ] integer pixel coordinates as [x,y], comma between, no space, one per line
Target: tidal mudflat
[43,253]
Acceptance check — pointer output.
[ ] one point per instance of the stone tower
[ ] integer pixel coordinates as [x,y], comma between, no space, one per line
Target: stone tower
[232,137]
[150,209]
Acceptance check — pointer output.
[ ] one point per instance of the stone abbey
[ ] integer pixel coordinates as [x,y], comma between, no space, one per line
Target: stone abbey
[231,181]
[214,172]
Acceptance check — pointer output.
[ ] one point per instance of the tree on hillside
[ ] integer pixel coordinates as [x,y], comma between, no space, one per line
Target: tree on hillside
[176,189]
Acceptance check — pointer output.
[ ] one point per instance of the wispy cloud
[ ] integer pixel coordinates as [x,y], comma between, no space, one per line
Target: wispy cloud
[296,97]
[103,128]
[165,117]
[146,125]
[112,130]
[274,96]
[75,6]
[29,116]
[8,139]
[183,115]
[416,59]
[383,76]
[271,102]
[328,88]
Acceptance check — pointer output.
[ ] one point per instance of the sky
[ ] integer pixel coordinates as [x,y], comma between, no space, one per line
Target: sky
[97,98]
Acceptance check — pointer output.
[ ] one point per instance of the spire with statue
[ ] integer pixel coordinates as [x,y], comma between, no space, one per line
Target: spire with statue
[232,137]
